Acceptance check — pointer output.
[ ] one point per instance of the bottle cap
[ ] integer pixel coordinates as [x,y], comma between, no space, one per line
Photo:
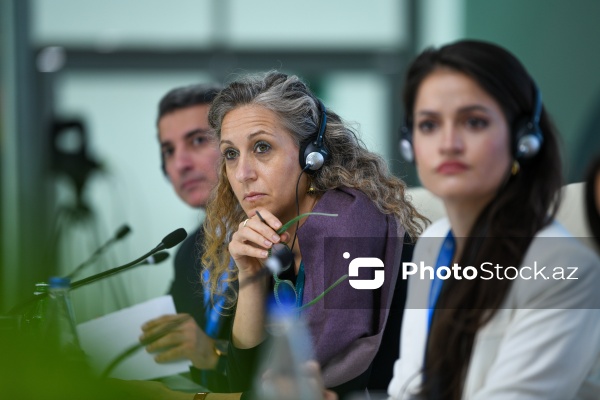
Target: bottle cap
[59,282]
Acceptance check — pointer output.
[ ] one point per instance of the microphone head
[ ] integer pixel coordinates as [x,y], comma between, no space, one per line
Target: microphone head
[122,232]
[174,238]
[157,258]
[281,258]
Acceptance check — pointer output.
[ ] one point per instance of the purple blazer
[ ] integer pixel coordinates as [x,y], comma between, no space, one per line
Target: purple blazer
[346,326]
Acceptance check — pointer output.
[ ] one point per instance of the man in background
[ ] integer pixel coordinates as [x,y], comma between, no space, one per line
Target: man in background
[189,157]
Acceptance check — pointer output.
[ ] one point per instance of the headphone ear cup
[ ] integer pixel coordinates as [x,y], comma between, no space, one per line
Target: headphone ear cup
[405,146]
[311,154]
[406,150]
[303,153]
[528,139]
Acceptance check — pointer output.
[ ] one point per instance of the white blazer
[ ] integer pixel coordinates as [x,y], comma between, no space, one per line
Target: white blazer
[544,343]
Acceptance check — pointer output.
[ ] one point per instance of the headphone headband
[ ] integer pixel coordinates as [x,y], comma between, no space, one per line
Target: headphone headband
[528,138]
[313,154]
[537,111]
[322,124]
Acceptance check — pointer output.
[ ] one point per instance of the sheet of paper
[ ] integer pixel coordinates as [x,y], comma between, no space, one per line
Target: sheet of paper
[104,338]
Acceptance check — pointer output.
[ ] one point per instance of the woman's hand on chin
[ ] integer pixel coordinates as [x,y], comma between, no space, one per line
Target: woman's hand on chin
[250,245]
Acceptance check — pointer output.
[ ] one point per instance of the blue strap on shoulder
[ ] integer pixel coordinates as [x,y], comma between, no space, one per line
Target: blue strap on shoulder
[300,285]
[213,311]
[444,259]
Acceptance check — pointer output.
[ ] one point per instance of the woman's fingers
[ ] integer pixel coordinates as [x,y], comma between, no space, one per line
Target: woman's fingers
[258,236]
[267,218]
[239,250]
[263,223]
[251,243]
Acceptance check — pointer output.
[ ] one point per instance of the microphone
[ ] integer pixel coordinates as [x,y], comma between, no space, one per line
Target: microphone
[172,239]
[156,258]
[280,260]
[123,231]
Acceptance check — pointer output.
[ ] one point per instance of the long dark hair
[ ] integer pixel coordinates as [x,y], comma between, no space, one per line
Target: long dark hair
[506,226]
[592,212]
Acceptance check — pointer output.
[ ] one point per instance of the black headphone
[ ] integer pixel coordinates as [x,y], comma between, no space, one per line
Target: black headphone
[405,145]
[528,138]
[313,154]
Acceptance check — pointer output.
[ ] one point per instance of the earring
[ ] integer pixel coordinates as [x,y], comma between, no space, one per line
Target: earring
[311,189]
[516,167]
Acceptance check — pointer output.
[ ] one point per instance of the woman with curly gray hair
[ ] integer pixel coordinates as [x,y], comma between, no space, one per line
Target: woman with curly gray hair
[285,154]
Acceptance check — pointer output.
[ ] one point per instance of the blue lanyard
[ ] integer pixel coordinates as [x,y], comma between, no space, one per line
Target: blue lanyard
[300,285]
[213,311]
[444,259]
